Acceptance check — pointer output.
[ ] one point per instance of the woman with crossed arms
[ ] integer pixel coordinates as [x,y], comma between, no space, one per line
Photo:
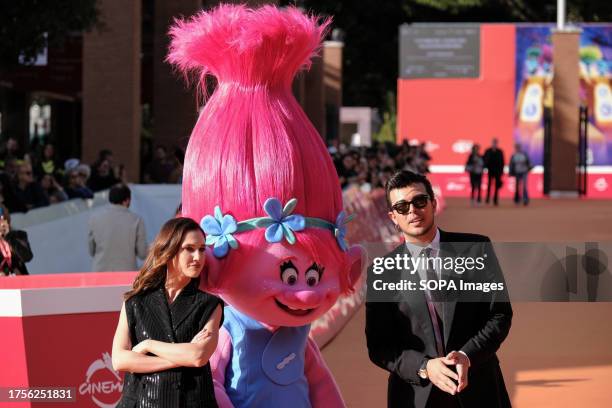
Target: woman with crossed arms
[168,328]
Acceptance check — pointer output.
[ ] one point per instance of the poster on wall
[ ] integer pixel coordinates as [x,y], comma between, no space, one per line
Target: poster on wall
[596,91]
[439,51]
[533,88]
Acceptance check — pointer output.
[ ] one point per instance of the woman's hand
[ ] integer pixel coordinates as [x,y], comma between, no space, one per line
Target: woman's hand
[202,335]
[142,347]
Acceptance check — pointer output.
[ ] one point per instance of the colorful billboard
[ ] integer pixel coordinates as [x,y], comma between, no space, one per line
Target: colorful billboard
[533,88]
[596,91]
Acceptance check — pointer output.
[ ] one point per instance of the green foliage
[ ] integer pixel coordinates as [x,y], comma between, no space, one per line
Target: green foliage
[389,125]
[28,26]
[371,32]
[451,6]
[371,42]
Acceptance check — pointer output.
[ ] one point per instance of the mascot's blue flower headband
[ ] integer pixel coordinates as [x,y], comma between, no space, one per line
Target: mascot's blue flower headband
[280,223]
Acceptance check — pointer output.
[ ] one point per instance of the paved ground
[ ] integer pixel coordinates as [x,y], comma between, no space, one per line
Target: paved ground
[557,354]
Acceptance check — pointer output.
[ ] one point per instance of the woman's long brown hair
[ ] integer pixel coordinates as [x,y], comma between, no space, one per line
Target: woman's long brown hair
[165,247]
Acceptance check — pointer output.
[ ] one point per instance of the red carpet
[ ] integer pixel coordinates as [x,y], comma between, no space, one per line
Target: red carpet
[557,354]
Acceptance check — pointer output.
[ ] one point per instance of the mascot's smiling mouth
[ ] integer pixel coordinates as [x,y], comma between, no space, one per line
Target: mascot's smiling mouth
[294,312]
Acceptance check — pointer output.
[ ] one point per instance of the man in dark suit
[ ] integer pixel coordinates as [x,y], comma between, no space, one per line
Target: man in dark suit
[438,346]
[494,163]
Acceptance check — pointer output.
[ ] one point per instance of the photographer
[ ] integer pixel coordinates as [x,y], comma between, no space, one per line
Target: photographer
[15,249]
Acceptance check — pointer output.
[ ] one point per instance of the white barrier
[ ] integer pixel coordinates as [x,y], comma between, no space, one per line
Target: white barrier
[58,233]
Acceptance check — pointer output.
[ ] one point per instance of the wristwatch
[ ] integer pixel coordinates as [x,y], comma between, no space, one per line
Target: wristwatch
[423,370]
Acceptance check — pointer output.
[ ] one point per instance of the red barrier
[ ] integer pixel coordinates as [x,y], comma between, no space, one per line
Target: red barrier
[599,185]
[57,331]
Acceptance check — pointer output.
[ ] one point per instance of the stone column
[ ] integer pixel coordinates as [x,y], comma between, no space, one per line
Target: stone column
[175,105]
[313,97]
[111,85]
[175,108]
[332,74]
[565,120]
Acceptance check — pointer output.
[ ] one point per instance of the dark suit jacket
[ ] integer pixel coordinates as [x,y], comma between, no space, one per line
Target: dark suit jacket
[400,334]
[494,161]
[150,317]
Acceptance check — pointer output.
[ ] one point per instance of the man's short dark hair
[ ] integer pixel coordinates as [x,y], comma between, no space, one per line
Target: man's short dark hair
[104,153]
[405,178]
[119,193]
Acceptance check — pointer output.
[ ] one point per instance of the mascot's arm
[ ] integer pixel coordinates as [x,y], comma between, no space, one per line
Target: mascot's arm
[324,392]
[218,363]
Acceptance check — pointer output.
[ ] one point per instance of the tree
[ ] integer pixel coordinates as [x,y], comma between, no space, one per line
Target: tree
[371,32]
[28,26]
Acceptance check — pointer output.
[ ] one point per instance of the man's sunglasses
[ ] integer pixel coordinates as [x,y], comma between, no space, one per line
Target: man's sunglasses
[403,207]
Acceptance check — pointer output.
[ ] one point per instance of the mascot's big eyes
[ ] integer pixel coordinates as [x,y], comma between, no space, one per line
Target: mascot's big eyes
[289,273]
[313,275]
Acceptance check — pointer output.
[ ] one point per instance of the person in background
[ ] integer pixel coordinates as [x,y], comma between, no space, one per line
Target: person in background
[47,163]
[15,248]
[167,364]
[519,169]
[106,154]
[12,149]
[84,172]
[160,168]
[53,190]
[177,159]
[11,166]
[116,235]
[28,191]
[8,197]
[347,173]
[75,185]
[475,166]
[102,176]
[422,151]
[494,163]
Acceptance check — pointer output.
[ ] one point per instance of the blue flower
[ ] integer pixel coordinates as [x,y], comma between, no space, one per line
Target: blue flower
[219,230]
[280,222]
[340,230]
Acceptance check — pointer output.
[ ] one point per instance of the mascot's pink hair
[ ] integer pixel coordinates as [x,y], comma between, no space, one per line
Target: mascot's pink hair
[252,140]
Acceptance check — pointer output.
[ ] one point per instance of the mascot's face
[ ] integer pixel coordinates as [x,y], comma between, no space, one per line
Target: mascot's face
[282,285]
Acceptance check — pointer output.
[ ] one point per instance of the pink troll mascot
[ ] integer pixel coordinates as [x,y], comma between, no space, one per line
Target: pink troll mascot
[261,181]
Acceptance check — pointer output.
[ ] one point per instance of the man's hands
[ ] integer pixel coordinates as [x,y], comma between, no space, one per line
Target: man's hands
[442,377]
[462,362]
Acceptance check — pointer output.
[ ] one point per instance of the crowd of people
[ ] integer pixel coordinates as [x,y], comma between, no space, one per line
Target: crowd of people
[370,167]
[37,177]
[493,162]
